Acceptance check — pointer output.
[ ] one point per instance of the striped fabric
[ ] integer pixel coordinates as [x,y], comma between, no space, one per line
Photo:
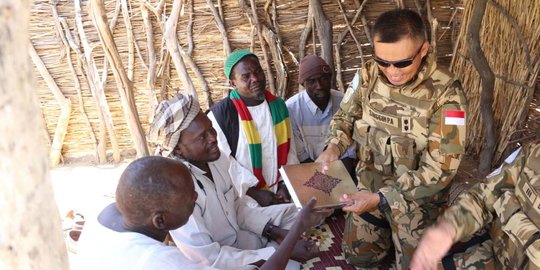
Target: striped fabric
[282,130]
[172,116]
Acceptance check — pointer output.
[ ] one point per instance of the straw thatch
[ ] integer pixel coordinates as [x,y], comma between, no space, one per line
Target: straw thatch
[510,39]
[97,123]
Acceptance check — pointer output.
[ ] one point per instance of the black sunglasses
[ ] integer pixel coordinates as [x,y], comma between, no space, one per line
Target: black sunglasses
[397,64]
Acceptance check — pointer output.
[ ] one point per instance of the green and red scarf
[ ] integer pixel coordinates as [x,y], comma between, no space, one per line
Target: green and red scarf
[282,130]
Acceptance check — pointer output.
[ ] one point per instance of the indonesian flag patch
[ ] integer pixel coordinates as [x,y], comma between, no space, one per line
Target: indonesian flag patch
[454,118]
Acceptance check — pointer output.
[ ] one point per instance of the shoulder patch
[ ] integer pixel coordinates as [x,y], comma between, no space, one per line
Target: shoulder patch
[352,88]
[454,117]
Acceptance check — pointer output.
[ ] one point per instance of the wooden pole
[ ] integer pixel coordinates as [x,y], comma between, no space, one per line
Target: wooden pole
[125,86]
[64,32]
[339,75]
[97,88]
[305,34]
[324,31]
[221,27]
[130,39]
[152,61]
[266,57]
[358,45]
[65,108]
[171,41]
[30,231]
[189,29]
[434,26]
[488,82]
[112,25]
[282,76]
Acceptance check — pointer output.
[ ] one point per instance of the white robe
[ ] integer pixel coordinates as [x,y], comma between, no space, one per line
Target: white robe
[243,167]
[225,230]
[102,248]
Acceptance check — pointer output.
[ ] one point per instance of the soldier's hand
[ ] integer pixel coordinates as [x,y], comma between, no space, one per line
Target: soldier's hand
[360,202]
[433,246]
[331,153]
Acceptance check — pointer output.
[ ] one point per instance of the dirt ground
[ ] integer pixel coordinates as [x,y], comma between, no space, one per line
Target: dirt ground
[83,189]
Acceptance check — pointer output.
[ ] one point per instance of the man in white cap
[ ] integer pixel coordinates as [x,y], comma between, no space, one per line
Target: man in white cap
[311,111]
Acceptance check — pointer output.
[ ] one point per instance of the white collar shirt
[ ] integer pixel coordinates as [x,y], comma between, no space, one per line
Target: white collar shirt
[210,235]
[310,124]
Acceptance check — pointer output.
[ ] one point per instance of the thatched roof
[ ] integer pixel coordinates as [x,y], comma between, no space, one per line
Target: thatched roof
[510,39]
[208,54]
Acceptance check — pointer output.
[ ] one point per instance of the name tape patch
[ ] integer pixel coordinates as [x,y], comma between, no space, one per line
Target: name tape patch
[389,120]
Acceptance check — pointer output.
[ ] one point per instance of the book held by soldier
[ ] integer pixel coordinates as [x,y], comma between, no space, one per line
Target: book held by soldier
[305,181]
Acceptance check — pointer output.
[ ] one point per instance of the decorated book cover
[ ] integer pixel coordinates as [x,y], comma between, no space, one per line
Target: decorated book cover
[306,180]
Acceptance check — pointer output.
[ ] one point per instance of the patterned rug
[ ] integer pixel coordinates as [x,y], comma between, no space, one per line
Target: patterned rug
[330,235]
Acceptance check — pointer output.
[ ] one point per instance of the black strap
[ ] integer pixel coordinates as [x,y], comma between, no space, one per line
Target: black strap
[373,220]
[227,117]
[448,260]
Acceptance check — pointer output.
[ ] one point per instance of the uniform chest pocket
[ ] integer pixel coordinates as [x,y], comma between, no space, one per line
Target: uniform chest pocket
[360,136]
[404,154]
[360,132]
[522,236]
[506,206]
[379,142]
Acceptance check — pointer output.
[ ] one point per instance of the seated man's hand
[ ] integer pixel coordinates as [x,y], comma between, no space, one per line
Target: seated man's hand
[360,202]
[433,246]
[305,250]
[309,217]
[263,197]
[282,194]
[330,154]
[278,234]
[258,263]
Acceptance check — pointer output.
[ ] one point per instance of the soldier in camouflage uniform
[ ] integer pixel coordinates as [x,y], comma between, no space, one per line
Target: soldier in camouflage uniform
[508,201]
[406,116]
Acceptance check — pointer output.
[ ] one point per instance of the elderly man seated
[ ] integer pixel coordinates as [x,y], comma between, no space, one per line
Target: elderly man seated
[224,231]
[155,195]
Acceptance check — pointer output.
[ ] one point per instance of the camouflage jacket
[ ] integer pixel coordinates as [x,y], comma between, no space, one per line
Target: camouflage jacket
[403,136]
[509,200]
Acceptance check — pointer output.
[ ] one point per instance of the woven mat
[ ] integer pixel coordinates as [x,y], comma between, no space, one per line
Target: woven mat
[330,235]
